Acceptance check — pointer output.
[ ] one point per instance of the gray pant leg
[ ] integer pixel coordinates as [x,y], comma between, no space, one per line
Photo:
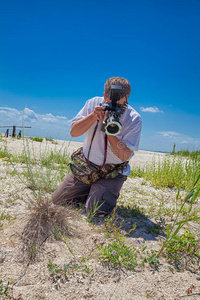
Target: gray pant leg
[71,190]
[104,192]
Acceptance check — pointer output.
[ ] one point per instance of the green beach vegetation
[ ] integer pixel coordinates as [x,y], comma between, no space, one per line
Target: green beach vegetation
[176,170]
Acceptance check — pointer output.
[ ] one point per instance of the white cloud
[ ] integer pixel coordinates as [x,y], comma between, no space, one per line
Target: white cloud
[62,118]
[29,115]
[41,124]
[7,112]
[153,109]
[168,133]
[180,138]
[49,118]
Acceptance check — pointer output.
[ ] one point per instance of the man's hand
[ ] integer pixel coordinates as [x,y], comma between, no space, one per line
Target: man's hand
[81,126]
[99,113]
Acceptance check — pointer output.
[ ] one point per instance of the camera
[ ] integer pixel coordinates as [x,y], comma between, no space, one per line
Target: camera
[111,125]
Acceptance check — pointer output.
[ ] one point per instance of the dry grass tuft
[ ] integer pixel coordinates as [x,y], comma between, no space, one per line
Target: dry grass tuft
[45,221]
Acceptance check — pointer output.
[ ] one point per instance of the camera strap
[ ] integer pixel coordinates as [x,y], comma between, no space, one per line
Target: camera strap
[105,144]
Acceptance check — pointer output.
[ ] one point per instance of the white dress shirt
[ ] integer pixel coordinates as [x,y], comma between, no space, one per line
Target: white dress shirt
[130,134]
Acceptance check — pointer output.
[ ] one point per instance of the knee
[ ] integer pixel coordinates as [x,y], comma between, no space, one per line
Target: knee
[96,208]
[93,206]
[54,199]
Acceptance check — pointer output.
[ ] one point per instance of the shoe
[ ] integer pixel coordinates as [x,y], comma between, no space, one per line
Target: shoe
[102,215]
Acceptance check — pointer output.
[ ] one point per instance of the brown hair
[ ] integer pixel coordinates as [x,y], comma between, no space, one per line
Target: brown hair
[117,81]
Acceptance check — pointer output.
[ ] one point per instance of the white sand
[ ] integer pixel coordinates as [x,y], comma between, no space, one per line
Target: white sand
[16,146]
[33,281]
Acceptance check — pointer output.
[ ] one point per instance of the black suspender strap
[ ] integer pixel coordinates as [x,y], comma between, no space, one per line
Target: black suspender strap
[105,149]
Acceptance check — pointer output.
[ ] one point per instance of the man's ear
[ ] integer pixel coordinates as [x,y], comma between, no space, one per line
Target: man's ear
[104,95]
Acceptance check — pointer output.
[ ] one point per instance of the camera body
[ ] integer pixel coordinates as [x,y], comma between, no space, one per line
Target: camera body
[111,125]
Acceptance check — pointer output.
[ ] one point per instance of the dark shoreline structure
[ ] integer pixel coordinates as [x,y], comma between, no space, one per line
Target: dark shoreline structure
[14,130]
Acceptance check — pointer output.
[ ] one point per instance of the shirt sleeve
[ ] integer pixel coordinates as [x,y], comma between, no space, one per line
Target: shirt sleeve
[132,136]
[87,109]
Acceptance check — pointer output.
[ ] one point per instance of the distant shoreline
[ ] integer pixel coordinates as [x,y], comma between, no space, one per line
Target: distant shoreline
[156,151]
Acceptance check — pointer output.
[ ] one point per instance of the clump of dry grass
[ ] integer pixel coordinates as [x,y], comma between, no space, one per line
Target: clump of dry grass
[45,221]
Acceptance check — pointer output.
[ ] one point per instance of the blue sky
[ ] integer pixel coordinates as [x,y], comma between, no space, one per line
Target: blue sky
[54,55]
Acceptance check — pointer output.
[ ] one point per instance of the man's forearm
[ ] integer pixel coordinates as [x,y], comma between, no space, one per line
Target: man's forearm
[81,126]
[119,148]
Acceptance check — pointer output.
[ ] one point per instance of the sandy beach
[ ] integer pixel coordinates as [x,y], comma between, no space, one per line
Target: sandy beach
[76,253]
[16,146]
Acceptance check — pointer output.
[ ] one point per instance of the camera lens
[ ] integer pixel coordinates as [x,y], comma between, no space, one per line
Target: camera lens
[113,129]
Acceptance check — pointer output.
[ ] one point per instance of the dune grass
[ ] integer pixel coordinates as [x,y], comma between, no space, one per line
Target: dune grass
[186,153]
[173,171]
[43,170]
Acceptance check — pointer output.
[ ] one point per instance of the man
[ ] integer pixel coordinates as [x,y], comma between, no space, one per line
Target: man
[102,195]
